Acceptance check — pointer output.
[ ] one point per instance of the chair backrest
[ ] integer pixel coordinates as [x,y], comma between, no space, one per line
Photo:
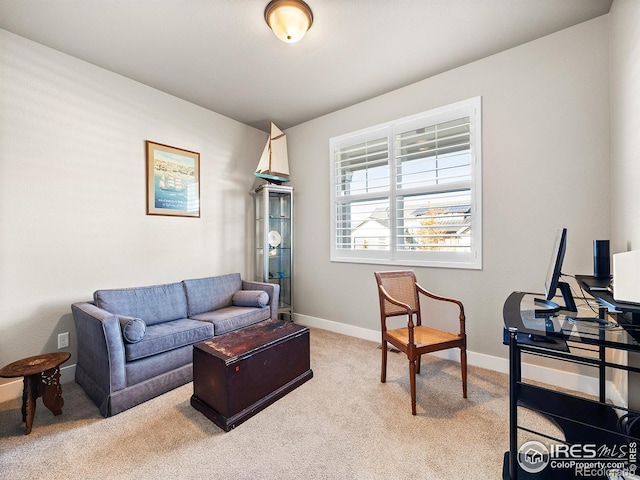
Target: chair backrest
[401,285]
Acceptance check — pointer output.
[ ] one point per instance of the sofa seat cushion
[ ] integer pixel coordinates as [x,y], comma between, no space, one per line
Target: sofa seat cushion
[166,336]
[147,368]
[227,319]
[155,304]
[211,293]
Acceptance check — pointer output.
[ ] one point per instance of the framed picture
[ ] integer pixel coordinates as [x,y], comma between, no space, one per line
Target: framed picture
[173,181]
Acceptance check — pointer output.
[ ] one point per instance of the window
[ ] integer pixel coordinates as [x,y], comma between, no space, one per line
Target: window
[409,192]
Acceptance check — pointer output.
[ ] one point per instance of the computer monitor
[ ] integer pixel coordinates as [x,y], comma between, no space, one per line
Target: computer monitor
[552,282]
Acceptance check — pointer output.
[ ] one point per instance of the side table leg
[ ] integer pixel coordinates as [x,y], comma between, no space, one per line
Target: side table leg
[52,390]
[25,394]
[29,396]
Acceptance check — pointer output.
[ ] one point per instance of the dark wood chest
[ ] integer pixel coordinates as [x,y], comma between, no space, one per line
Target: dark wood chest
[240,373]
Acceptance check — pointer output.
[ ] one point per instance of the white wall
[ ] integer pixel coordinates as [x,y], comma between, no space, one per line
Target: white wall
[625,143]
[625,125]
[72,191]
[546,166]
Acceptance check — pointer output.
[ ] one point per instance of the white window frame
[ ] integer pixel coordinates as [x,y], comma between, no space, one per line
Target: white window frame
[393,256]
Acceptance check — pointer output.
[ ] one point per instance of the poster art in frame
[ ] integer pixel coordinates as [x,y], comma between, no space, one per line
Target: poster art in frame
[173,181]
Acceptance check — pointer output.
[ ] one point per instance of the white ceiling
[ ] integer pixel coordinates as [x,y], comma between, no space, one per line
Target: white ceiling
[221,55]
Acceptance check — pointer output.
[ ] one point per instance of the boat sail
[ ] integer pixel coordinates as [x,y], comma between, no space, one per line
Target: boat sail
[274,163]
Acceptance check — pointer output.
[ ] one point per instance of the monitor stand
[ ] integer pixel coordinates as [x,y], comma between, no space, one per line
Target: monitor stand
[552,307]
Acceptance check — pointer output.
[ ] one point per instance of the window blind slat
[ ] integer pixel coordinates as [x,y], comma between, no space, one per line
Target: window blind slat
[437,154]
[363,168]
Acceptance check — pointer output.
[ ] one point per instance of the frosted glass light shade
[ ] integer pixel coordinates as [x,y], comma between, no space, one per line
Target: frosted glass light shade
[289,19]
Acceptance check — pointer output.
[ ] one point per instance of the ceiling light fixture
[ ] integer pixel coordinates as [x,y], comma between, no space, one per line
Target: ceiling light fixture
[289,19]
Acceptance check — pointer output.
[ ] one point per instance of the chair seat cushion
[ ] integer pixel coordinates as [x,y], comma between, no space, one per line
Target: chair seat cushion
[227,319]
[166,336]
[425,338]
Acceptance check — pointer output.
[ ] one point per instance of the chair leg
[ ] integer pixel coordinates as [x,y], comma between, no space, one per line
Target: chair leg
[463,366]
[418,364]
[412,378]
[383,369]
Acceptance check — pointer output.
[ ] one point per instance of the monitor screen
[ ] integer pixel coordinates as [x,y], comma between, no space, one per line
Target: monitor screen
[555,264]
[552,282]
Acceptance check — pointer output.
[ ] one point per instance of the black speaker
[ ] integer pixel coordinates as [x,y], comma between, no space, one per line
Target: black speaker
[601,260]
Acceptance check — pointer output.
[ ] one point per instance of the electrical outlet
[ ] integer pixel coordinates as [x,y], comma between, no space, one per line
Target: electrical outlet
[63,340]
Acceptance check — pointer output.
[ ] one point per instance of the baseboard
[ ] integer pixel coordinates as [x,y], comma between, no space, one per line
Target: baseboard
[337,327]
[13,389]
[579,383]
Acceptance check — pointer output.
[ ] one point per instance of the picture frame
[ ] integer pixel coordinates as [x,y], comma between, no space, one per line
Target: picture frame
[173,181]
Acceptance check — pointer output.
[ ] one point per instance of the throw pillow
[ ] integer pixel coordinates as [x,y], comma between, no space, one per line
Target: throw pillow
[250,298]
[133,329]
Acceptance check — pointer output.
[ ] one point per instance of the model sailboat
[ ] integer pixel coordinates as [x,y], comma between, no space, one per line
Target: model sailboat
[274,162]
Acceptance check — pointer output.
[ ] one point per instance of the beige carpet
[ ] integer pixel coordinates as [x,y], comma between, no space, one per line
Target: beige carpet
[342,424]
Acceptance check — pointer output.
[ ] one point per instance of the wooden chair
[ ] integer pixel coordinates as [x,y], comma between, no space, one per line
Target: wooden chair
[399,295]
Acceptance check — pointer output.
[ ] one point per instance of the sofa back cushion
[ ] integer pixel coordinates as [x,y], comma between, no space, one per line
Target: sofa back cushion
[155,304]
[211,293]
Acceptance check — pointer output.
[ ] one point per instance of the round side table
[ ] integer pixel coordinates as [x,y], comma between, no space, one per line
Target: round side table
[41,378]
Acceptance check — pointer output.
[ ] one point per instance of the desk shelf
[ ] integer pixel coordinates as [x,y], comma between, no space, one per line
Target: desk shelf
[522,475]
[582,420]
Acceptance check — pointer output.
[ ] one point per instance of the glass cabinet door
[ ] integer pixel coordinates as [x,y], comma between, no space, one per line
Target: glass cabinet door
[274,242]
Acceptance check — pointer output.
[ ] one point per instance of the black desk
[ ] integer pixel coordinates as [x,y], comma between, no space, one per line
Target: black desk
[565,336]
[520,312]
[629,316]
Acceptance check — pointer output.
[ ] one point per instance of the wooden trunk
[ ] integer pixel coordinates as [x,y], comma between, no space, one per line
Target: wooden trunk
[240,373]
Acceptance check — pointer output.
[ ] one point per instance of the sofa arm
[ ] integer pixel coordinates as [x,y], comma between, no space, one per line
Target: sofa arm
[273,289]
[101,354]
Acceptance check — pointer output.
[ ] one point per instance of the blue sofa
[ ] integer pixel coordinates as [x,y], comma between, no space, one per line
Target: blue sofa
[137,343]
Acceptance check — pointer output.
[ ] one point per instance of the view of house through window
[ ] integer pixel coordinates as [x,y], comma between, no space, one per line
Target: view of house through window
[408,192]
